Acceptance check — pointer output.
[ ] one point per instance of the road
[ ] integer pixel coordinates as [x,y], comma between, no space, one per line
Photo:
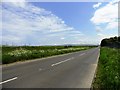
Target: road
[74,70]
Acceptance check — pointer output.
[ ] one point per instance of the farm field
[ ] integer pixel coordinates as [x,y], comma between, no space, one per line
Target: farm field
[108,75]
[12,54]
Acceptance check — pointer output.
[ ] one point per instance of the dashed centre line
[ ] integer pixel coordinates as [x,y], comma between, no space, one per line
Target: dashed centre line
[82,54]
[62,61]
[40,69]
[9,80]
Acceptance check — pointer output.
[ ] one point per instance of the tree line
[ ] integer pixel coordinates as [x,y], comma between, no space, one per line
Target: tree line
[113,42]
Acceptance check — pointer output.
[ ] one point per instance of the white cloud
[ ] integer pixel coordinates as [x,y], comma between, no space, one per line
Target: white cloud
[18,3]
[107,16]
[11,38]
[98,29]
[26,23]
[97,5]
[100,34]
[103,36]
[114,1]
[62,38]
[112,25]
[105,20]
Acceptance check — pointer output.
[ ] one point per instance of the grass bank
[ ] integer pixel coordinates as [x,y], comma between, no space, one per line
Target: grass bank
[12,54]
[108,71]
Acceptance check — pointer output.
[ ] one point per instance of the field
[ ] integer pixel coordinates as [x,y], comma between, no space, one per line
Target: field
[108,71]
[12,54]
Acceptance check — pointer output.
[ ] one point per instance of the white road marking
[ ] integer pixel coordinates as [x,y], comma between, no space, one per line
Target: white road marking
[62,61]
[99,49]
[8,80]
[81,54]
[40,69]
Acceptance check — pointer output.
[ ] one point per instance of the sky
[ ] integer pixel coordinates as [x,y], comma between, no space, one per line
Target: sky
[58,23]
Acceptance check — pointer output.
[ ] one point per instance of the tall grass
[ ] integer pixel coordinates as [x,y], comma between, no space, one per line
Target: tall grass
[14,54]
[108,72]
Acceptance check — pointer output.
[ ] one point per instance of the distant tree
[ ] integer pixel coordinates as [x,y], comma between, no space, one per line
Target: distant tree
[111,42]
[66,46]
[104,42]
[119,39]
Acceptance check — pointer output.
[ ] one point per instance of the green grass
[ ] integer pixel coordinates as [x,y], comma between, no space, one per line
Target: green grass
[12,54]
[108,71]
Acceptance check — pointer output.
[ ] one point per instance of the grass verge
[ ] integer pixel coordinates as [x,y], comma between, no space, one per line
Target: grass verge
[108,71]
[14,54]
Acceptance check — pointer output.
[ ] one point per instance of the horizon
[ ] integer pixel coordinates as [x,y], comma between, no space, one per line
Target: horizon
[54,45]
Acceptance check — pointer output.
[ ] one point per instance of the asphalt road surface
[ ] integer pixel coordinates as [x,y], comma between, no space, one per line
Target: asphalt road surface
[74,70]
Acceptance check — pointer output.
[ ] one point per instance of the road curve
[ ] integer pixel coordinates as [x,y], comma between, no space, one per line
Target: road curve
[75,70]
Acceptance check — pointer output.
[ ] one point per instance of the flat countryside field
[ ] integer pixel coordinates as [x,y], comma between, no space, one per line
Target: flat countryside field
[12,54]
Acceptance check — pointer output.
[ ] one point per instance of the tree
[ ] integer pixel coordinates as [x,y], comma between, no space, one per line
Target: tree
[111,42]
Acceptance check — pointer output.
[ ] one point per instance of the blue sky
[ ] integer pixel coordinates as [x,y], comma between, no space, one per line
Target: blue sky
[53,23]
[74,14]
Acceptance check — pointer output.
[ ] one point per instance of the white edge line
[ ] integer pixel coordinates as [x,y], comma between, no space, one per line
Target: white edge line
[95,68]
[8,80]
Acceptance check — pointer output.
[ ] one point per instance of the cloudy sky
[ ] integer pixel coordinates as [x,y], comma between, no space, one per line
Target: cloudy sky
[53,23]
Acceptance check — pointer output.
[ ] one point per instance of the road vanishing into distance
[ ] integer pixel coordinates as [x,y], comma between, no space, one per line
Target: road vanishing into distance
[73,70]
